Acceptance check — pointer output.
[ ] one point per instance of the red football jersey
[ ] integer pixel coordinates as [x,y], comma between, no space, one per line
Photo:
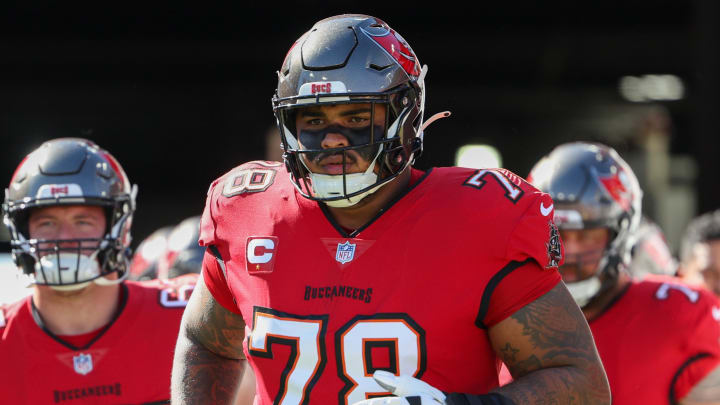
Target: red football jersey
[127,363]
[412,292]
[658,340]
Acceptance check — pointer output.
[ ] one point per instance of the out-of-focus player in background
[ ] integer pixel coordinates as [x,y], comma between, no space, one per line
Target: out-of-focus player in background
[659,339]
[650,253]
[183,255]
[345,274]
[149,253]
[700,252]
[169,252]
[84,336]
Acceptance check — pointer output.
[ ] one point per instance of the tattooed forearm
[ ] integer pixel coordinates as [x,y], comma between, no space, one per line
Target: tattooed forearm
[208,360]
[202,377]
[548,348]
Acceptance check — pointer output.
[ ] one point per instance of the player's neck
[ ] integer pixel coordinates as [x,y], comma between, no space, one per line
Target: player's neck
[77,312]
[601,303]
[360,214]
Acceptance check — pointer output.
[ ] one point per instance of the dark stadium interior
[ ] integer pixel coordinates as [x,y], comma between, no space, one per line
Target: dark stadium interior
[180,93]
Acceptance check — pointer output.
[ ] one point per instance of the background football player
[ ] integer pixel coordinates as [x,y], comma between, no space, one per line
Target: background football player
[146,258]
[700,252]
[83,335]
[650,253]
[658,338]
[344,274]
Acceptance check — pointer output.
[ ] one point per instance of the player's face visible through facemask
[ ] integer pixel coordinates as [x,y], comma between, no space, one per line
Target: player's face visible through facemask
[583,251]
[339,126]
[68,240]
[67,223]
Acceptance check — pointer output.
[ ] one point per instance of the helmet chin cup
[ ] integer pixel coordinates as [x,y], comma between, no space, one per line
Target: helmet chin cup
[67,271]
[326,186]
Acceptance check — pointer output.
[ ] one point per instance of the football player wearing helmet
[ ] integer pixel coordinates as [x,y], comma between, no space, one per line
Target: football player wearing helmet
[658,338]
[80,336]
[344,261]
[700,252]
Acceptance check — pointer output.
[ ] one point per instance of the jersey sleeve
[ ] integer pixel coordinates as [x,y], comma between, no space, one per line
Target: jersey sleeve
[704,346]
[207,221]
[215,280]
[213,267]
[536,236]
[520,286]
[533,254]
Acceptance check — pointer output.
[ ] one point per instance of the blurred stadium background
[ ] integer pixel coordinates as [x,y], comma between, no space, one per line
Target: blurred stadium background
[180,93]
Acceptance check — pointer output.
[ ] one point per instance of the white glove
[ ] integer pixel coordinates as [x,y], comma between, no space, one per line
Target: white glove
[409,391]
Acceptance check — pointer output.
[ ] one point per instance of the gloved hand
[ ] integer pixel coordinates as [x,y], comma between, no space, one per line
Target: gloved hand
[408,391]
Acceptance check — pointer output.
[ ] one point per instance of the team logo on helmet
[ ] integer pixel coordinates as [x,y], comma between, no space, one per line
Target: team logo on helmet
[345,252]
[618,188]
[83,363]
[396,46]
[59,190]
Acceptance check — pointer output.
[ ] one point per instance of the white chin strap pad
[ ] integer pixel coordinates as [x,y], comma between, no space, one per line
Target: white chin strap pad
[61,269]
[583,291]
[105,281]
[331,185]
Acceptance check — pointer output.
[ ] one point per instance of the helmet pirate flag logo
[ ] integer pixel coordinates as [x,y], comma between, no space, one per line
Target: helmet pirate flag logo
[617,186]
[396,46]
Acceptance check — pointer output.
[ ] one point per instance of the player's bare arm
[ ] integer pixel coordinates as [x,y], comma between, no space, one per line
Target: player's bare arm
[706,392]
[209,360]
[548,348]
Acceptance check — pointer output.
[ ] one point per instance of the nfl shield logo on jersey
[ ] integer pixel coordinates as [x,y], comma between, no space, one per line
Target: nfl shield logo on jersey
[82,363]
[345,252]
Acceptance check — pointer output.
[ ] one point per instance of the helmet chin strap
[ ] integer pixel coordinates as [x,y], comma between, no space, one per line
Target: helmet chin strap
[104,281]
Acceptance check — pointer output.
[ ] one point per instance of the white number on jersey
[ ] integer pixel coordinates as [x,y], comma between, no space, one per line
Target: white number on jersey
[397,333]
[664,290]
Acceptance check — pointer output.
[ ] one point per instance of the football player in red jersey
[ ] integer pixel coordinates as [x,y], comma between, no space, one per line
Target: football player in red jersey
[659,339]
[345,274]
[84,336]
